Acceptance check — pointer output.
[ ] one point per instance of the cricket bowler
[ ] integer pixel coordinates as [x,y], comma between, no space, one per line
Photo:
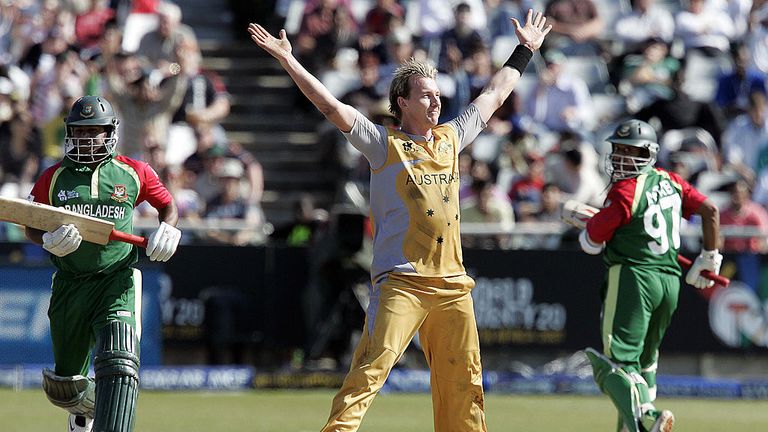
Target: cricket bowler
[638,232]
[418,280]
[96,294]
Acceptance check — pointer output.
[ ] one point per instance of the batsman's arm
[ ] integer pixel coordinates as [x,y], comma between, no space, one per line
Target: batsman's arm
[531,36]
[710,224]
[338,113]
[169,214]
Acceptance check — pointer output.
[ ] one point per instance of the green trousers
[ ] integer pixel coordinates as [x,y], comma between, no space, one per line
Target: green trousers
[81,307]
[638,304]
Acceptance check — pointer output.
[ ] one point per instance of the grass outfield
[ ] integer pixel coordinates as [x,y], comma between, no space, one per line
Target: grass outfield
[299,411]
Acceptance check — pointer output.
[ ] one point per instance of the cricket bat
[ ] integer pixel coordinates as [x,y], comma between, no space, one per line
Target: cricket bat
[577,214]
[48,218]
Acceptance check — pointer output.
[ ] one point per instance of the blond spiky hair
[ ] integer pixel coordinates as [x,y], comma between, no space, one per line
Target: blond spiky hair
[401,85]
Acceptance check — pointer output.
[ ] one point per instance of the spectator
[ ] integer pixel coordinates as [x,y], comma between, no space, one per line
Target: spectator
[377,19]
[706,29]
[20,144]
[429,19]
[326,26]
[757,39]
[743,212]
[143,103]
[648,76]
[680,111]
[18,78]
[367,95]
[206,100]
[203,164]
[645,21]
[162,48]
[457,81]
[500,14]
[734,88]
[142,19]
[551,204]
[560,102]
[399,48]
[465,38]
[739,11]
[9,14]
[231,205]
[27,30]
[486,207]
[576,26]
[45,63]
[53,132]
[481,170]
[180,183]
[574,170]
[526,192]
[548,212]
[745,141]
[90,25]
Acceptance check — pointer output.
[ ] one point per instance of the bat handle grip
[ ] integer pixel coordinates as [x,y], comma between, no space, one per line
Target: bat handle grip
[128,238]
[719,280]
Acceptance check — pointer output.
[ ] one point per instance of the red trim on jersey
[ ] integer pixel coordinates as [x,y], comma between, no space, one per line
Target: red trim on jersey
[152,189]
[42,188]
[616,212]
[692,198]
[618,206]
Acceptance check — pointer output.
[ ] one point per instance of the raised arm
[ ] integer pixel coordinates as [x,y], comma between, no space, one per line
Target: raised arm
[531,36]
[338,113]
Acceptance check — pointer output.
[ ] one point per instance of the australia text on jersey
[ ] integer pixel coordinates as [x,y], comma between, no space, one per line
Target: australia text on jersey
[432,179]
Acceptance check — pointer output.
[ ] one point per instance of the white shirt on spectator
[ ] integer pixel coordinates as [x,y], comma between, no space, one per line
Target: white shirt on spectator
[743,142]
[757,41]
[635,27]
[710,28]
[545,105]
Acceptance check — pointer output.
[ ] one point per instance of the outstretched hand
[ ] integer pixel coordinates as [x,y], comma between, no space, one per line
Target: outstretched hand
[278,48]
[533,32]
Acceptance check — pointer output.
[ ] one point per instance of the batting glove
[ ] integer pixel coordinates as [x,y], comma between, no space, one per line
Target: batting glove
[163,242]
[65,240]
[707,260]
[588,246]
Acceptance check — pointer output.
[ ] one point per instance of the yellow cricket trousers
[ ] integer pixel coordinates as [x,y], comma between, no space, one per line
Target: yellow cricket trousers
[441,309]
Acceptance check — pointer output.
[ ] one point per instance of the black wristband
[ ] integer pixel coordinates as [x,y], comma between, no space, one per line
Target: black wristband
[519,58]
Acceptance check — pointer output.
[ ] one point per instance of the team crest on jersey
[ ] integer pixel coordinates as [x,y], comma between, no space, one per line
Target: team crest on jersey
[67,195]
[87,111]
[408,146]
[444,147]
[120,194]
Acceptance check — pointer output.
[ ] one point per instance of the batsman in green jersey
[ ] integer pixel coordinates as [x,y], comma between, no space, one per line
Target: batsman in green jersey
[96,294]
[638,232]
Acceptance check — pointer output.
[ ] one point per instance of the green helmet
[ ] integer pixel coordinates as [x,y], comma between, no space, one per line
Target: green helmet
[633,133]
[90,111]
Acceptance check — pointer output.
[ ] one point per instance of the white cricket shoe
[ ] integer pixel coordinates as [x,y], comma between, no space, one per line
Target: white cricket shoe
[79,424]
[664,422]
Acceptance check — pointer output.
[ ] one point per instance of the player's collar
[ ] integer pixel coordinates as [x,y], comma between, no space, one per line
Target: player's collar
[78,166]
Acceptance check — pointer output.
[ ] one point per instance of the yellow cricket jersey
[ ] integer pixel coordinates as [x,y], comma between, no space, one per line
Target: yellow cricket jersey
[414,195]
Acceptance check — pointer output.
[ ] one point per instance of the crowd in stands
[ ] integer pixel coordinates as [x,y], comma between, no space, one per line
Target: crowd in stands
[142,58]
[694,69]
